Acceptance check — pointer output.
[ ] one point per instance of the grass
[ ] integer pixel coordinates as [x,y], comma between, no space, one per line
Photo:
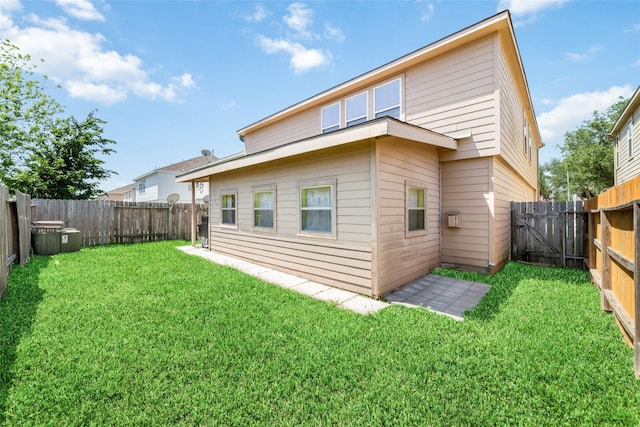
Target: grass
[146,335]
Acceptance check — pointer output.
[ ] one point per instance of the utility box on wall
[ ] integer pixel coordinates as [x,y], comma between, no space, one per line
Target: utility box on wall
[453,220]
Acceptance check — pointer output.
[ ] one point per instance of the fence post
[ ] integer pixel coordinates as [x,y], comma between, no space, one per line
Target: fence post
[605,228]
[4,252]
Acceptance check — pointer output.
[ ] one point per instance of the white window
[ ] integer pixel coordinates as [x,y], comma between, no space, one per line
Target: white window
[141,186]
[229,209]
[416,208]
[630,138]
[317,203]
[617,151]
[525,134]
[356,109]
[386,100]
[263,209]
[330,116]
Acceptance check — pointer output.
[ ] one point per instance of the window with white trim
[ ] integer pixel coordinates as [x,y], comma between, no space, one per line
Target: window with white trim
[142,186]
[617,151]
[228,212]
[330,117]
[630,137]
[317,208]
[386,99]
[356,109]
[416,208]
[264,209]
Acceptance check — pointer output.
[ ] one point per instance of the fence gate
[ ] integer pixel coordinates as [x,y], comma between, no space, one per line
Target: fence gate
[548,233]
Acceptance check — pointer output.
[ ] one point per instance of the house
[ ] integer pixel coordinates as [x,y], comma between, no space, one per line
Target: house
[158,184]
[626,132]
[373,183]
[126,193]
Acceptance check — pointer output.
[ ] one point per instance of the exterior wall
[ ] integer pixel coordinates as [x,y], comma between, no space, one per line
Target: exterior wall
[454,92]
[509,187]
[402,259]
[467,190]
[301,126]
[628,167]
[512,123]
[345,261]
[159,185]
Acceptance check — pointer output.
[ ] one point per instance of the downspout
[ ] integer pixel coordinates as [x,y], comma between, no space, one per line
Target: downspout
[194,217]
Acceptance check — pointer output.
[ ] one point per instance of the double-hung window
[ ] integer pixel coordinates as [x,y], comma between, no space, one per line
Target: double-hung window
[263,209]
[317,208]
[141,186]
[356,109]
[330,117]
[386,99]
[416,208]
[229,209]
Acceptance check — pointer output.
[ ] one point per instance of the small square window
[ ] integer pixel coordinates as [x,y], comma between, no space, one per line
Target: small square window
[330,117]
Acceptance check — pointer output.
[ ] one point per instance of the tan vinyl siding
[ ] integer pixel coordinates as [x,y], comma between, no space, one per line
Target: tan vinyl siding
[403,259]
[454,92]
[466,190]
[629,167]
[512,115]
[509,187]
[345,261]
[300,126]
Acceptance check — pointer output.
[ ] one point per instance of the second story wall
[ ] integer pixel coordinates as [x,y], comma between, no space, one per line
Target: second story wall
[627,149]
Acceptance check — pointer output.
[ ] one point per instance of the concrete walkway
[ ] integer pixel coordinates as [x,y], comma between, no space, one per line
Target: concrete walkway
[442,295]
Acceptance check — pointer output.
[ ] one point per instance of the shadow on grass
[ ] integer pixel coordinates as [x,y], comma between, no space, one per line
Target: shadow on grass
[504,282]
[17,313]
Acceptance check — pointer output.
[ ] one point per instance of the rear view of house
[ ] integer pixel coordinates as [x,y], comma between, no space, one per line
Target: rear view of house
[373,183]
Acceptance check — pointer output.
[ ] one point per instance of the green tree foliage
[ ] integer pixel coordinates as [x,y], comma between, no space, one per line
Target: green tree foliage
[65,166]
[587,163]
[42,153]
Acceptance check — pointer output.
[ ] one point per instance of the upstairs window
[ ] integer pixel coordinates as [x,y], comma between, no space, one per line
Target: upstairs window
[356,109]
[330,117]
[630,137]
[229,209]
[141,186]
[386,100]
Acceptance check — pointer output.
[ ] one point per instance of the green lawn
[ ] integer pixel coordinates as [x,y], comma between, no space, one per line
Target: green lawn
[146,335]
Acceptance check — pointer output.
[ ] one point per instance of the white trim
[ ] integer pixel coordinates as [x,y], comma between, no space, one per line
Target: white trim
[321,183]
[233,193]
[360,117]
[330,127]
[393,107]
[268,189]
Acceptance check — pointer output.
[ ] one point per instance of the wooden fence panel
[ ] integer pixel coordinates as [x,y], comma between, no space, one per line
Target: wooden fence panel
[614,261]
[23,207]
[548,233]
[103,222]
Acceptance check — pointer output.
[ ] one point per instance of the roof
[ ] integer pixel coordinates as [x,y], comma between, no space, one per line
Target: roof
[181,167]
[377,128]
[627,113]
[500,23]
[122,190]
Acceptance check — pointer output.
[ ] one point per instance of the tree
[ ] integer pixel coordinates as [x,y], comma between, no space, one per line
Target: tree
[587,164]
[65,166]
[42,153]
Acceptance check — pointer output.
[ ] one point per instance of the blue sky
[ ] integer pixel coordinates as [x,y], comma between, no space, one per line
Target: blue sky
[174,77]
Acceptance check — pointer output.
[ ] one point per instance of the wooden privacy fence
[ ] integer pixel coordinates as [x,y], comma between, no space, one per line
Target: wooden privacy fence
[15,233]
[614,256]
[548,233]
[102,222]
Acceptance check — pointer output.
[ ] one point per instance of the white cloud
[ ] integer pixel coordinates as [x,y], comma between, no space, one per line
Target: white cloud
[426,10]
[570,112]
[299,19]
[81,9]
[259,14]
[528,7]
[84,68]
[583,56]
[229,105]
[302,59]
[333,33]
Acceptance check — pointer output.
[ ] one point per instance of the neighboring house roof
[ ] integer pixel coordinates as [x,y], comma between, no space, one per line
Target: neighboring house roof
[384,126]
[181,167]
[122,190]
[500,22]
[627,113]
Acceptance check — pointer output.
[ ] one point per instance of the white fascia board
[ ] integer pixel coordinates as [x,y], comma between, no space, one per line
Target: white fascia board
[379,128]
